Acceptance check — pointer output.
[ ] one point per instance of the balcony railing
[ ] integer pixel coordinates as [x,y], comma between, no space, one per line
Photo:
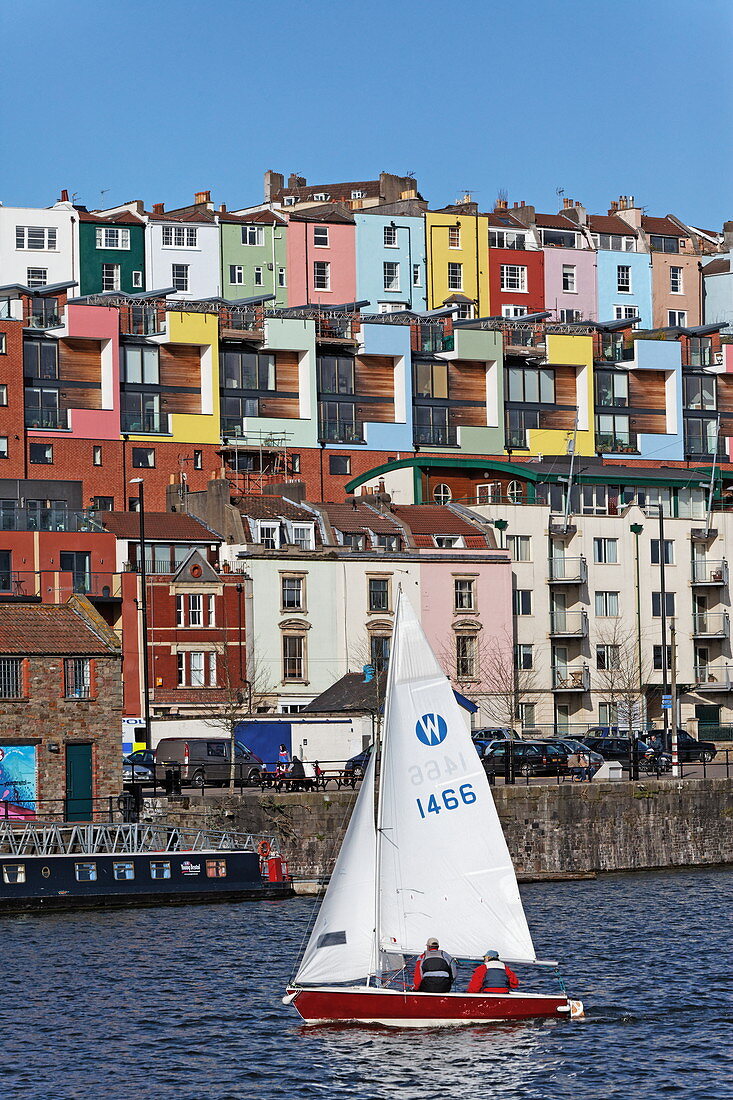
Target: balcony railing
[712,677]
[568,624]
[19,584]
[567,570]
[624,443]
[609,349]
[43,313]
[435,436]
[242,318]
[571,678]
[707,624]
[335,431]
[46,519]
[431,339]
[145,423]
[104,585]
[517,439]
[47,419]
[156,566]
[710,573]
[139,320]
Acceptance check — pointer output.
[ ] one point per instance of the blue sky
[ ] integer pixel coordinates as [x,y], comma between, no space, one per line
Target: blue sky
[156,100]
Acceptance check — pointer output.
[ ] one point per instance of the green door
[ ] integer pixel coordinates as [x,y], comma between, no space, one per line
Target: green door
[708,720]
[78,782]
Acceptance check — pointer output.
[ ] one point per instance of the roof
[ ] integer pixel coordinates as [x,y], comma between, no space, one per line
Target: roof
[556,221]
[336,216]
[335,191]
[662,227]
[352,693]
[504,219]
[159,527]
[609,223]
[358,517]
[188,214]
[46,628]
[721,266]
[427,520]
[269,506]
[122,217]
[261,217]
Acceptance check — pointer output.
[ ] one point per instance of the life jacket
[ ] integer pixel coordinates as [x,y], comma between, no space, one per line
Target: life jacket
[496,976]
[436,965]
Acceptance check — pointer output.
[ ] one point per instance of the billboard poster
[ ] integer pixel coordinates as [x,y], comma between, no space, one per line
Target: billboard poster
[18,774]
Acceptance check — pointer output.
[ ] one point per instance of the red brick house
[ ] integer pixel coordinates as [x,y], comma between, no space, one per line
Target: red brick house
[60,709]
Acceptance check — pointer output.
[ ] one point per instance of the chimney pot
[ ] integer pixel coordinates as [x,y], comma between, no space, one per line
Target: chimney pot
[522,203]
[223,208]
[159,208]
[64,196]
[201,197]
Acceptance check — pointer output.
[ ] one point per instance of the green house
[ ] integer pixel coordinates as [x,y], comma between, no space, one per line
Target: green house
[111,252]
[253,255]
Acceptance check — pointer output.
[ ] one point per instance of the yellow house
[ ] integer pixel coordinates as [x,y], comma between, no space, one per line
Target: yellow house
[570,352]
[457,251]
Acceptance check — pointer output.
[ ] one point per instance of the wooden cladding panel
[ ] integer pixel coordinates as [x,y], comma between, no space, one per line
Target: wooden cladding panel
[79,397]
[473,416]
[380,411]
[646,390]
[374,375]
[80,361]
[181,402]
[566,392]
[180,365]
[287,407]
[286,372]
[467,381]
[653,423]
[562,419]
[725,395]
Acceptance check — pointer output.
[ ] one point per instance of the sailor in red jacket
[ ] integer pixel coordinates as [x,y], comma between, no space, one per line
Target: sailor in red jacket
[492,976]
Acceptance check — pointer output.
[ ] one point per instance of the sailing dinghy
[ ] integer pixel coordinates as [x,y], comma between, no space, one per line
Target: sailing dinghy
[435,864]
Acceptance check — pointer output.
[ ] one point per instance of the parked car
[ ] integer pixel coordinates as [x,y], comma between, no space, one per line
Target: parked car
[141,773]
[617,748]
[571,745]
[356,766]
[690,749]
[530,758]
[206,760]
[487,735]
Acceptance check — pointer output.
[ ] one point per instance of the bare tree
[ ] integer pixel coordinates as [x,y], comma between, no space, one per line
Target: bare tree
[490,672]
[621,673]
[237,698]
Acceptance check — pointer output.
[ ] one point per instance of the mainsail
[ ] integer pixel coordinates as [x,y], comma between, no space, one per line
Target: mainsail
[341,945]
[443,866]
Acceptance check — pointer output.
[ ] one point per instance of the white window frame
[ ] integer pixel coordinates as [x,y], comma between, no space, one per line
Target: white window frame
[322,277]
[258,276]
[39,278]
[358,194]
[113,236]
[676,275]
[569,279]
[605,550]
[180,236]
[454,236]
[390,236]
[265,526]
[49,238]
[179,278]
[236,274]
[513,311]
[677,318]
[320,196]
[137,280]
[455,276]
[514,277]
[519,547]
[253,235]
[623,313]
[605,599]
[322,232]
[282,277]
[464,593]
[417,274]
[111,274]
[624,283]
[302,535]
[391,275]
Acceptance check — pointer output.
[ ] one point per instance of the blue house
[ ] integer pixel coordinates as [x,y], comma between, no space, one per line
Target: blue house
[390,257]
[624,286]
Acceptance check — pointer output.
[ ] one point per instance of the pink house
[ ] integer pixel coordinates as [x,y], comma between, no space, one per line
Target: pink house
[570,283]
[321,257]
[95,329]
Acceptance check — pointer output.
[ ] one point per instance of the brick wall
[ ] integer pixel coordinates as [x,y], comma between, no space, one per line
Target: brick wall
[47,718]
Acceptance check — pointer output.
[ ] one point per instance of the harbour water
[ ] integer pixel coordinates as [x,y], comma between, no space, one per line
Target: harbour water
[162,1004]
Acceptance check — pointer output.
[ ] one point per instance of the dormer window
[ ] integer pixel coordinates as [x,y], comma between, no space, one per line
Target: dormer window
[269,535]
[449,542]
[320,196]
[358,194]
[289,200]
[302,535]
[389,542]
[558,238]
[355,540]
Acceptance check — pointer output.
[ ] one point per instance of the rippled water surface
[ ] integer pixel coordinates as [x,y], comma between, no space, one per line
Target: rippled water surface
[167,1003]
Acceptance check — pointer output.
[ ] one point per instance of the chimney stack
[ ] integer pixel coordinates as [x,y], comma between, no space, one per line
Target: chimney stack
[274,182]
[296,181]
[501,204]
[159,208]
[64,196]
[222,208]
[201,197]
[614,207]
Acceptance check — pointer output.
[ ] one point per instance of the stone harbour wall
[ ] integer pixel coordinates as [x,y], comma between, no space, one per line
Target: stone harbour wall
[552,829]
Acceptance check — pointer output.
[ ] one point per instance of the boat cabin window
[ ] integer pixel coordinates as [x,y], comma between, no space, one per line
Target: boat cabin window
[160,868]
[123,872]
[86,872]
[216,868]
[216,748]
[13,872]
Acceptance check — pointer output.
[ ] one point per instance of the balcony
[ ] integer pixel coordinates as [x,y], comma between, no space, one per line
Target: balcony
[47,419]
[712,677]
[340,431]
[567,571]
[571,678]
[235,320]
[616,443]
[568,624]
[139,320]
[706,624]
[19,585]
[103,586]
[145,423]
[524,338]
[43,313]
[517,439]
[335,328]
[431,339]
[709,574]
[610,348]
[435,435]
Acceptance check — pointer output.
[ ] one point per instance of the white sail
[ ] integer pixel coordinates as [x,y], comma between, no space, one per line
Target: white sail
[341,947]
[443,865]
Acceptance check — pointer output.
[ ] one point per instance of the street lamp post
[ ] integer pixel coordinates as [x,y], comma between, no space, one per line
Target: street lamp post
[144,609]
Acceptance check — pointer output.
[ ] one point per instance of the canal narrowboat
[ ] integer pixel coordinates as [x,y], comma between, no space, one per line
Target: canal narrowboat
[52,867]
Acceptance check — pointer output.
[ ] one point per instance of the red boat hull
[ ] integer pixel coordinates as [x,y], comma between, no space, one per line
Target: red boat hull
[395,1008]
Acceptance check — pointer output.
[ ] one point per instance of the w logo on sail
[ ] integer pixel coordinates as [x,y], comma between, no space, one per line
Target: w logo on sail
[431,729]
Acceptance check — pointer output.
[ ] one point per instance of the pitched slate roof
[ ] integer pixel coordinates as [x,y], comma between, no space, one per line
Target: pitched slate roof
[334,216]
[721,266]
[159,526]
[268,506]
[662,227]
[352,520]
[122,217]
[555,221]
[427,520]
[188,214]
[351,693]
[504,219]
[26,629]
[609,223]
[262,217]
[335,191]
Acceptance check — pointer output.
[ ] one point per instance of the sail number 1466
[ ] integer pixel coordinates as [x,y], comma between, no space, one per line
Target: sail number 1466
[449,798]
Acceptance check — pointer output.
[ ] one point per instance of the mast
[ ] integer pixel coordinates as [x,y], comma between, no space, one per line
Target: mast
[379,748]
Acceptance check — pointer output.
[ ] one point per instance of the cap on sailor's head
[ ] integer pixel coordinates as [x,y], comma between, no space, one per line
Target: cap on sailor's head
[491,954]
[432,942]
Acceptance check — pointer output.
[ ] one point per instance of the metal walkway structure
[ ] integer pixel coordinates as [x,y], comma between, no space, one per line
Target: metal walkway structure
[31,839]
